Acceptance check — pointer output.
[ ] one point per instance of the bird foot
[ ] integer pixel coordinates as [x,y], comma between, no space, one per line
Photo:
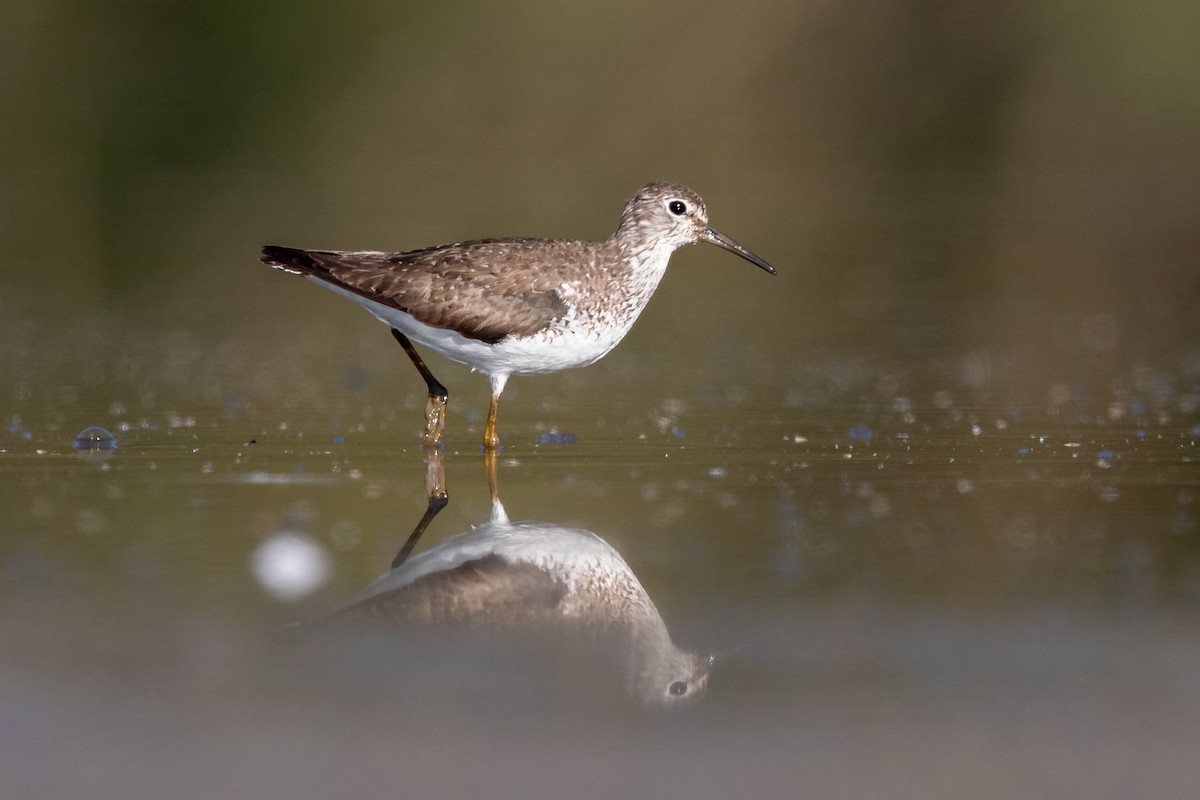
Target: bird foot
[435,420]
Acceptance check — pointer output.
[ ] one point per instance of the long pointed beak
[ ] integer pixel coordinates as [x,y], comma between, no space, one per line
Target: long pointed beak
[724,242]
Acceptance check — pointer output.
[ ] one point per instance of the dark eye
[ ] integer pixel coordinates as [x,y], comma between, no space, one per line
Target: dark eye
[678,208]
[678,687]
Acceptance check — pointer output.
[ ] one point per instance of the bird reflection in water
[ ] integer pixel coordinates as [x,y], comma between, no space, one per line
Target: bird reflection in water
[539,578]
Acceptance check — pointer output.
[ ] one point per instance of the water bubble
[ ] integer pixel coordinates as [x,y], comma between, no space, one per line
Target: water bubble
[95,443]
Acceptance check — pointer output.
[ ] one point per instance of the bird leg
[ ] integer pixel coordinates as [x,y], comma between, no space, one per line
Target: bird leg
[489,463]
[435,408]
[491,442]
[435,490]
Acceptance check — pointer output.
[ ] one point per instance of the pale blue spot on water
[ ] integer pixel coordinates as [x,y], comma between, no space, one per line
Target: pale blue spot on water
[1140,434]
[1138,407]
[1105,455]
[27,435]
[861,433]
[1022,451]
[556,438]
[339,440]
[680,433]
[1196,430]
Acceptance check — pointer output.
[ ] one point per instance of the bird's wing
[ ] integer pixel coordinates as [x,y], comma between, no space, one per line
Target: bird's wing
[489,591]
[485,289]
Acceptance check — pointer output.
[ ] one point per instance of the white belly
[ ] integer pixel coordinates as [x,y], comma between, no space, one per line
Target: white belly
[563,346]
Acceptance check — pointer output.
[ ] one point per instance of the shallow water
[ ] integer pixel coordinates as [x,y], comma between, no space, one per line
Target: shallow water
[941,578]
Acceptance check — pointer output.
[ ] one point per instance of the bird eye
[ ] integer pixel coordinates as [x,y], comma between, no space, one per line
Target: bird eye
[678,687]
[677,207]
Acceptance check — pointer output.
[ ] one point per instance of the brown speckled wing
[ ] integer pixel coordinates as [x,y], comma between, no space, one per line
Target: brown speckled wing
[485,290]
[488,592]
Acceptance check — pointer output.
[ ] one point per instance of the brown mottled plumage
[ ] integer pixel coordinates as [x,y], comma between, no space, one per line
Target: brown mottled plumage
[475,288]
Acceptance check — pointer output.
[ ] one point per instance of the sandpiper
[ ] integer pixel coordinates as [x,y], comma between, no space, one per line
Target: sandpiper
[517,306]
[563,583]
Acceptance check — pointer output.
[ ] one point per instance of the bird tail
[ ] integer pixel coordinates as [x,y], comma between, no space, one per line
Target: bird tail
[291,259]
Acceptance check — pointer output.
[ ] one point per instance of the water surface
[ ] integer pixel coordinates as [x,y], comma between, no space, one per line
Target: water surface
[898,575]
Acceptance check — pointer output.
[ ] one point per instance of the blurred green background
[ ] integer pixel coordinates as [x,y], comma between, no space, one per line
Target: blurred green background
[1016,172]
